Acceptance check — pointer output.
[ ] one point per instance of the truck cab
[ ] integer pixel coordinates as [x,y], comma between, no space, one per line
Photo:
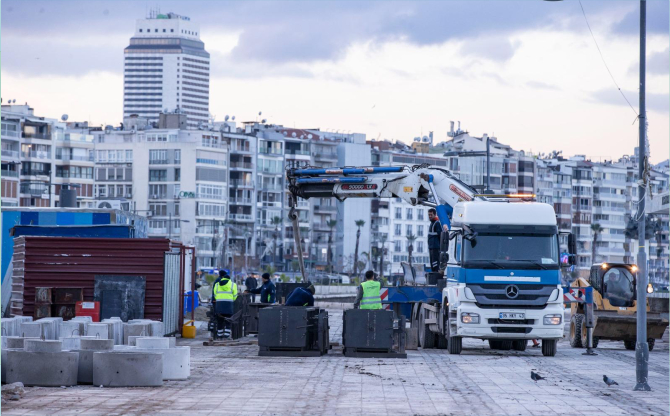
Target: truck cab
[503,279]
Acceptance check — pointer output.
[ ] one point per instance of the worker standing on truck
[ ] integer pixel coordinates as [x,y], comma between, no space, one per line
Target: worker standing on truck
[224,294]
[267,290]
[301,296]
[367,295]
[434,231]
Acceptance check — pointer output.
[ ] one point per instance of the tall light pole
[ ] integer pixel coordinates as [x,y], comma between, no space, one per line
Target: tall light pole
[642,347]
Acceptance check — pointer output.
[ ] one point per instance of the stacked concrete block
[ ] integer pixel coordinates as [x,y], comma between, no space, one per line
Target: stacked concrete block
[72,328]
[88,347]
[73,343]
[42,363]
[52,327]
[176,360]
[139,329]
[117,329]
[12,326]
[36,329]
[100,330]
[127,369]
[171,340]
[156,328]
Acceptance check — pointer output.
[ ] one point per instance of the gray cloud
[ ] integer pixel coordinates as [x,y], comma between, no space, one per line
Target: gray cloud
[657,19]
[657,64]
[655,101]
[285,32]
[541,85]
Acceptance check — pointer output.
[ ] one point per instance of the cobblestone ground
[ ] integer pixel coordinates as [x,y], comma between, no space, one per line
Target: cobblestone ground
[235,381]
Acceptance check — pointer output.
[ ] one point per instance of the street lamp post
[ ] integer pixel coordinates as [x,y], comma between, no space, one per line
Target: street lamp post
[642,347]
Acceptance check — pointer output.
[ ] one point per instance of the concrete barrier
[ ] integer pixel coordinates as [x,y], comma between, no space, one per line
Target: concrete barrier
[3,364]
[151,343]
[15,342]
[136,329]
[176,361]
[88,348]
[47,369]
[127,369]
[98,330]
[37,345]
[117,329]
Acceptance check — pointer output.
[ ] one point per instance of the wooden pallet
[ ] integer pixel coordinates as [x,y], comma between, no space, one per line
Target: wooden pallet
[288,352]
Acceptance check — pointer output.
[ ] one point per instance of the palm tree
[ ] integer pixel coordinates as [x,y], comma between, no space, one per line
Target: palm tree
[381,261]
[411,238]
[331,224]
[359,224]
[366,259]
[276,221]
[597,229]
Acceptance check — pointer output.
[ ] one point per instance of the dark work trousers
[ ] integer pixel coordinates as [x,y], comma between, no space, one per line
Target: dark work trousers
[222,326]
[434,259]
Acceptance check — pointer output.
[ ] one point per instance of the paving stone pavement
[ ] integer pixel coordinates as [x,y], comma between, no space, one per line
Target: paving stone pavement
[235,381]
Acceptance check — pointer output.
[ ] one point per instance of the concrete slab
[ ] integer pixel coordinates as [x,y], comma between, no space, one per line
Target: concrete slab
[127,369]
[97,344]
[53,327]
[33,329]
[117,329]
[15,342]
[135,329]
[72,328]
[38,345]
[151,343]
[98,330]
[71,343]
[47,369]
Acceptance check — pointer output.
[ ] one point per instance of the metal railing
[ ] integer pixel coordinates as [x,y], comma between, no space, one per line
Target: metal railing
[297,152]
[44,136]
[10,153]
[10,133]
[36,154]
[241,183]
[10,173]
[240,201]
[72,157]
[241,165]
[240,217]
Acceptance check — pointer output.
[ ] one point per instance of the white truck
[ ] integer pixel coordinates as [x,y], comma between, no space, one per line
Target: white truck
[500,268]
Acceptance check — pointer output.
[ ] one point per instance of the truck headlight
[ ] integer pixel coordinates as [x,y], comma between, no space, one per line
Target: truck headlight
[470,318]
[552,319]
[468,294]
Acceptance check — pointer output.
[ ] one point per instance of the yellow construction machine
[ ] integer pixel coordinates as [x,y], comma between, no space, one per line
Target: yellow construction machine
[615,308]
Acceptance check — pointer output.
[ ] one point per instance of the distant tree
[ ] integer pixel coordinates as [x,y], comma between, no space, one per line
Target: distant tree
[597,229]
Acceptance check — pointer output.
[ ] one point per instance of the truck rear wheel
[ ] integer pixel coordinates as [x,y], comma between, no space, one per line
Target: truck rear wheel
[494,344]
[505,345]
[651,342]
[577,331]
[426,336]
[629,345]
[519,344]
[549,347]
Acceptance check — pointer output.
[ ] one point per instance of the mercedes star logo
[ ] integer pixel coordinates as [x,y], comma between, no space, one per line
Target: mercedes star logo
[512,291]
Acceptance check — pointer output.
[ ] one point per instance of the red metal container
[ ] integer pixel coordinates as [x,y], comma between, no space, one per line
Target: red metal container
[91,309]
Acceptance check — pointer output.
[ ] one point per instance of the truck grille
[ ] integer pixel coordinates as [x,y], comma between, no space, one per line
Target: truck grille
[494,295]
[511,330]
[497,321]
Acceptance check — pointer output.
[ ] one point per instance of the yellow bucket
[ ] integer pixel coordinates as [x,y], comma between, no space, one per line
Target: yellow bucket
[188,330]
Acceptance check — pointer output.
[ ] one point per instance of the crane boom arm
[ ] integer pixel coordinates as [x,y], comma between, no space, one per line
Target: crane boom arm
[413,184]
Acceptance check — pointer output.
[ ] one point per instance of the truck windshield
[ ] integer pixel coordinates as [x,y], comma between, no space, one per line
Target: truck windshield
[518,251]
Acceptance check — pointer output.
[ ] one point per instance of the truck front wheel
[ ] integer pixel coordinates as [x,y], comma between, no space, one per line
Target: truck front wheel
[549,347]
[454,344]
[577,331]
[426,337]
[519,345]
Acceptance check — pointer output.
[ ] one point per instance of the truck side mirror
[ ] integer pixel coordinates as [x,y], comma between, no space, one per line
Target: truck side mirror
[572,249]
[444,241]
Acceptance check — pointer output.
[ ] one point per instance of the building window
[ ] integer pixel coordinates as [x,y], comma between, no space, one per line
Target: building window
[396,245]
[164,30]
[157,175]
[176,208]
[177,157]
[409,229]
[410,214]
[398,213]
[158,157]
[419,229]
[129,191]
[177,175]
[171,30]
[129,155]
[419,214]
[419,247]
[140,30]
[397,230]
[156,30]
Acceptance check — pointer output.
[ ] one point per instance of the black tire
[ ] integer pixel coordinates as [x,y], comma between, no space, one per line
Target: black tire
[629,345]
[519,344]
[426,336]
[442,342]
[549,347]
[651,342]
[494,344]
[505,345]
[577,331]
[454,344]
[595,342]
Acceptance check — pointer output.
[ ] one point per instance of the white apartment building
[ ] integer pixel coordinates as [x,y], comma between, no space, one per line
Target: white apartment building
[166,67]
[177,177]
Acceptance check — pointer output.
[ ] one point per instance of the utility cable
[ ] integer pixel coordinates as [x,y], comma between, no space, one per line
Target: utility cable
[603,59]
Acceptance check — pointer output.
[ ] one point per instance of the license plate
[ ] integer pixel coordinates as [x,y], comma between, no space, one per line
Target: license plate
[506,315]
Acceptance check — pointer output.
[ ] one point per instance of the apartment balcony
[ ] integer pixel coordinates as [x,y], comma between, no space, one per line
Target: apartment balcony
[43,136]
[604,210]
[240,149]
[266,204]
[241,165]
[241,217]
[10,154]
[241,183]
[325,208]
[268,171]
[270,152]
[68,159]
[240,201]
[297,152]
[321,227]
[327,156]
[9,173]
[272,188]
[10,134]
[158,231]
[36,155]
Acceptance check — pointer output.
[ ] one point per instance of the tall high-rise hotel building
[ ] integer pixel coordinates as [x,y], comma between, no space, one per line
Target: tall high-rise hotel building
[166,68]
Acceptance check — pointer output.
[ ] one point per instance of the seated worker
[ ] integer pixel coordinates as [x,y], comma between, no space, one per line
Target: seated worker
[267,290]
[301,296]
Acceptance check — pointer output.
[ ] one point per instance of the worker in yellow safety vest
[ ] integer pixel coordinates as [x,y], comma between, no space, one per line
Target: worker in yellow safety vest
[367,295]
[224,294]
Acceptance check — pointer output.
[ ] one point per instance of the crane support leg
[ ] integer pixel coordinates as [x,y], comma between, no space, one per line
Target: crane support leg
[293,216]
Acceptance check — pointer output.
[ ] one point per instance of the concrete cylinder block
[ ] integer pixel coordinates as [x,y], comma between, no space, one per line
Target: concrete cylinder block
[97,344]
[176,362]
[48,369]
[98,330]
[37,345]
[152,343]
[127,369]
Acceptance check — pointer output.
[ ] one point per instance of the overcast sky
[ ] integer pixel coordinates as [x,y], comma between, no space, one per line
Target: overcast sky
[526,71]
